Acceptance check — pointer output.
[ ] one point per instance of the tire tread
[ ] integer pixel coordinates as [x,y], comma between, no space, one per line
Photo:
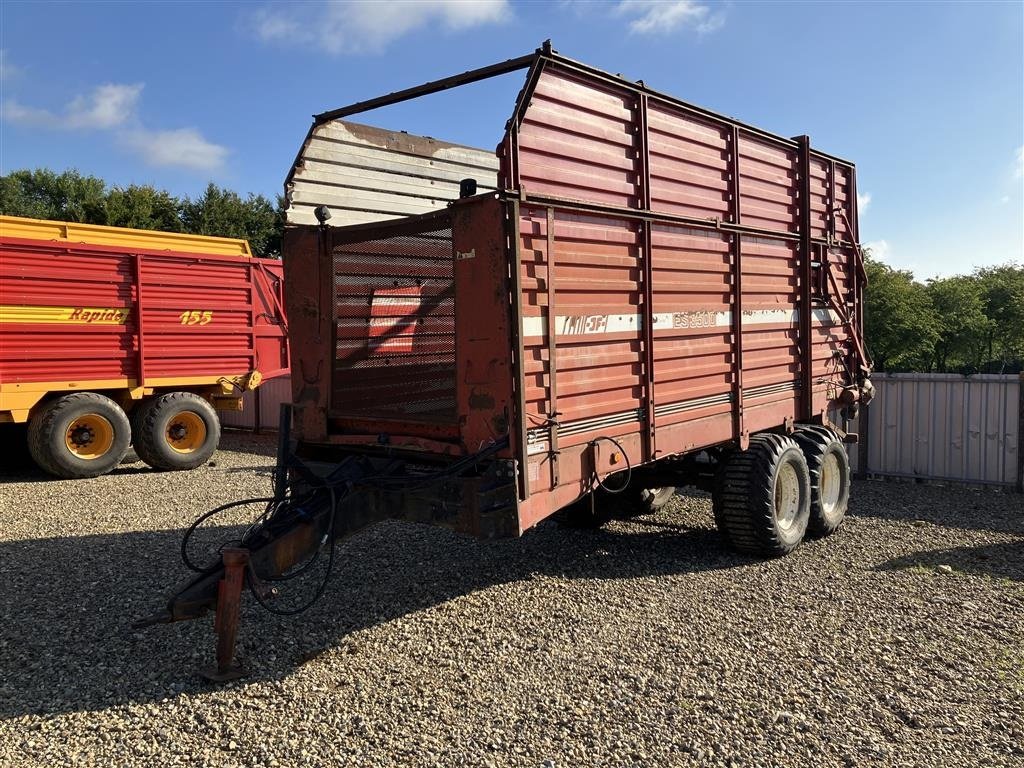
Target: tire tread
[41,437]
[147,435]
[743,501]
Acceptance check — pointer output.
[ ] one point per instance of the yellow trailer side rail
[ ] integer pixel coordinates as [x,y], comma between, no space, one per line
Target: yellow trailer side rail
[120,237]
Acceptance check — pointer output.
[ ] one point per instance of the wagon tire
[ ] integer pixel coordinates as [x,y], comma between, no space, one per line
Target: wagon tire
[762,497]
[179,430]
[84,434]
[640,501]
[654,499]
[829,468]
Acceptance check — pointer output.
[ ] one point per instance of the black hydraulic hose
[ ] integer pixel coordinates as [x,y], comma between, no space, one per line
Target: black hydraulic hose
[629,467]
[327,574]
[276,507]
[204,517]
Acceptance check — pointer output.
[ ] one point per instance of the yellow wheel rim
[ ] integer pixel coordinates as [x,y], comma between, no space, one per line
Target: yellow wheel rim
[89,436]
[186,432]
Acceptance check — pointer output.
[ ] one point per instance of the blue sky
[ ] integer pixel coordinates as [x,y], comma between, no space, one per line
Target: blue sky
[927,99]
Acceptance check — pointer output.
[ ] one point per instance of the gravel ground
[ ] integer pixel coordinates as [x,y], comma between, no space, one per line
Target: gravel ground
[898,641]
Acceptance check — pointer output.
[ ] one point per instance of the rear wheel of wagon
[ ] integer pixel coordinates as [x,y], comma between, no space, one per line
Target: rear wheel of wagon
[178,430]
[829,468]
[83,434]
[762,497]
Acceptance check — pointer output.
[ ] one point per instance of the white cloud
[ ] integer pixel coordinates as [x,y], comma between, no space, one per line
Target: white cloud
[369,26]
[660,17]
[113,108]
[107,106]
[863,202]
[879,249]
[183,147]
[15,112]
[7,70]
[1018,163]
[1004,199]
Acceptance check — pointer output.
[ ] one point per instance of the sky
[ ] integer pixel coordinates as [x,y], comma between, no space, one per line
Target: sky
[926,98]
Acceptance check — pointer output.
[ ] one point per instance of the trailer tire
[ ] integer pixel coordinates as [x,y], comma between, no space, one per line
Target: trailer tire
[629,503]
[643,501]
[179,430]
[829,467]
[762,497]
[84,434]
[654,499]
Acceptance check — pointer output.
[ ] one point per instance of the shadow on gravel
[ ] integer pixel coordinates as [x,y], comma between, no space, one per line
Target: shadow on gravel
[1004,560]
[66,642]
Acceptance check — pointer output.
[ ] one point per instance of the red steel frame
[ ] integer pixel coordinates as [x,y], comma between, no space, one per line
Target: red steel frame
[709,288]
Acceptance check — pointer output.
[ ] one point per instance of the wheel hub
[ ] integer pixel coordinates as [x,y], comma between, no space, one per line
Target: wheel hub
[89,436]
[830,483]
[186,432]
[787,496]
[81,435]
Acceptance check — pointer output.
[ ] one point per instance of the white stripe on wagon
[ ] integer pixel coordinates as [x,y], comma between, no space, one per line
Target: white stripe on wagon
[589,325]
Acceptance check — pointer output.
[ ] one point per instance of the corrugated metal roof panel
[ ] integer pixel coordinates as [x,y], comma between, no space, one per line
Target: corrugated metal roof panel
[365,174]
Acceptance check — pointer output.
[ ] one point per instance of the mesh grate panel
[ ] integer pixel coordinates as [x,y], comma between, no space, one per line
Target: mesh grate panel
[395,353]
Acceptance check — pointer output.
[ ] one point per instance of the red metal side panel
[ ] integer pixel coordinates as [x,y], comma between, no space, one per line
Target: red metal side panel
[596,324]
[726,293]
[768,185]
[692,319]
[74,316]
[771,353]
[688,165]
[577,140]
[198,317]
[821,197]
[271,319]
[838,290]
[39,344]
[846,200]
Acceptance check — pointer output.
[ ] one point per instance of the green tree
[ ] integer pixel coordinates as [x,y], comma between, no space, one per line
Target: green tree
[962,324]
[43,194]
[223,213]
[900,324]
[1002,291]
[143,207]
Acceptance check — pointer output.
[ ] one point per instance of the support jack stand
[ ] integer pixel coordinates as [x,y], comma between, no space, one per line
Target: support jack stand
[225,622]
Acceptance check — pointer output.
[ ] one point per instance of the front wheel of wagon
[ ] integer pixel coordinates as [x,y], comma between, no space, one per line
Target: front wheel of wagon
[762,497]
[179,430]
[645,501]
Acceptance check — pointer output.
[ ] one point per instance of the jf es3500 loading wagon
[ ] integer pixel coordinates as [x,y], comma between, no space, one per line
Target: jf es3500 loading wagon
[630,294]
